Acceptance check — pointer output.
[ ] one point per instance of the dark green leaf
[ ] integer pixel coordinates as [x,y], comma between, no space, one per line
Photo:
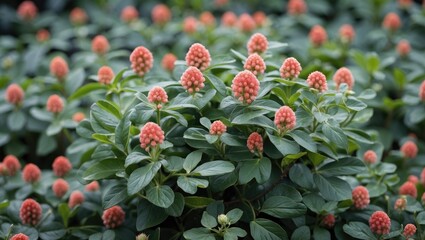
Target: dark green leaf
[208,221]
[266,229]
[197,202]
[16,120]
[333,188]
[86,89]
[192,160]
[283,207]
[103,169]
[217,167]
[161,196]
[141,177]
[145,213]
[190,185]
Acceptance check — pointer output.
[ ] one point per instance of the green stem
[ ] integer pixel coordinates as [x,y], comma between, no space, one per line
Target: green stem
[158,116]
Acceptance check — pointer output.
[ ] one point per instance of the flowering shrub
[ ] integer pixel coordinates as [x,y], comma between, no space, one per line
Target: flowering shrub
[157,124]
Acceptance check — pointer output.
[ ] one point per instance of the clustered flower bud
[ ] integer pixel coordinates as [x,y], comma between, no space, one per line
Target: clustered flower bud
[409,230]
[76,198]
[158,96]
[297,7]
[413,179]
[400,204]
[318,36]
[360,197]
[14,94]
[31,173]
[217,128]
[207,18]
[161,14]
[27,10]
[347,33]
[290,68]
[403,48]
[151,135]
[30,212]
[255,143]
[257,44]
[78,117]
[391,22]
[54,104]
[59,68]
[61,166]
[328,221]
[222,219]
[370,157]
[245,87]
[343,75]
[409,149]
[60,187]
[168,61]
[142,236]
[317,80]
[105,75]
[141,60]
[78,16]
[129,14]
[42,35]
[113,217]
[198,56]
[100,45]
[20,236]
[192,80]
[189,25]
[408,188]
[246,23]
[229,19]
[92,187]
[260,18]
[285,119]
[255,64]
[12,164]
[380,223]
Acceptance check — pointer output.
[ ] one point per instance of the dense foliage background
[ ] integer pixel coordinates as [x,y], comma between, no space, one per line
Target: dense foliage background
[212,119]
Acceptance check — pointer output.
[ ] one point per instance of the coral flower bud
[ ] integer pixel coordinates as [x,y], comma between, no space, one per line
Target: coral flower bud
[141,60]
[60,187]
[78,117]
[192,80]
[317,80]
[347,33]
[285,119]
[78,16]
[409,149]
[260,18]
[100,45]
[257,44]
[129,14]
[158,96]
[297,7]
[14,94]
[328,221]
[59,68]
[229,19]
[105,75]
[360,197]
[343,75]
[255,64]
[380,223]
[30,212]
[400,204]
[255,142]
[422,91]
[370,157]
[245,87]
[198,56]
[403,48]
[391,22]
[318,36]
[207,18]
[76,198]
[12,164]
[27,10]
[190,25]
[161,14]
[217,128]
[113,217]
[31,173]
[61,166]
[20,236]
[151,135]
[408,188]
[92,187]
[54,104]
[290,68]
[42,35]
[168,62]
[246,23]
[409,230]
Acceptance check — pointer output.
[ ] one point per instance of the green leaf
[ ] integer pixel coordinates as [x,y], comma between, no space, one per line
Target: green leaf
[420,219]
[86,89]
[149,215]
[284,146]
[274,45]
[198,233]
[303,139]
[367,94]
[301,175]
[217,83]
[214,168]
[190,185]
[231,140]
[283,207]
[102,138]
[262,228]
[208,221]
[233,233]
[301,233]
[335,135]
[135,158]
[64,212]
[246,117]
[355,104]
[46,144]
[358,230]
[176,209]
[110,107]
[192,160]
[332,188]
[205,122]
[114,195]
[234,215]
[321,233]
[122,132]
[103,169]
[343,166]
[54,128]
[161,196]
[201,102]
[239,55]
[141,177]
[197,202]
[52,231]
[258,169]
[74,80]
[16,120]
